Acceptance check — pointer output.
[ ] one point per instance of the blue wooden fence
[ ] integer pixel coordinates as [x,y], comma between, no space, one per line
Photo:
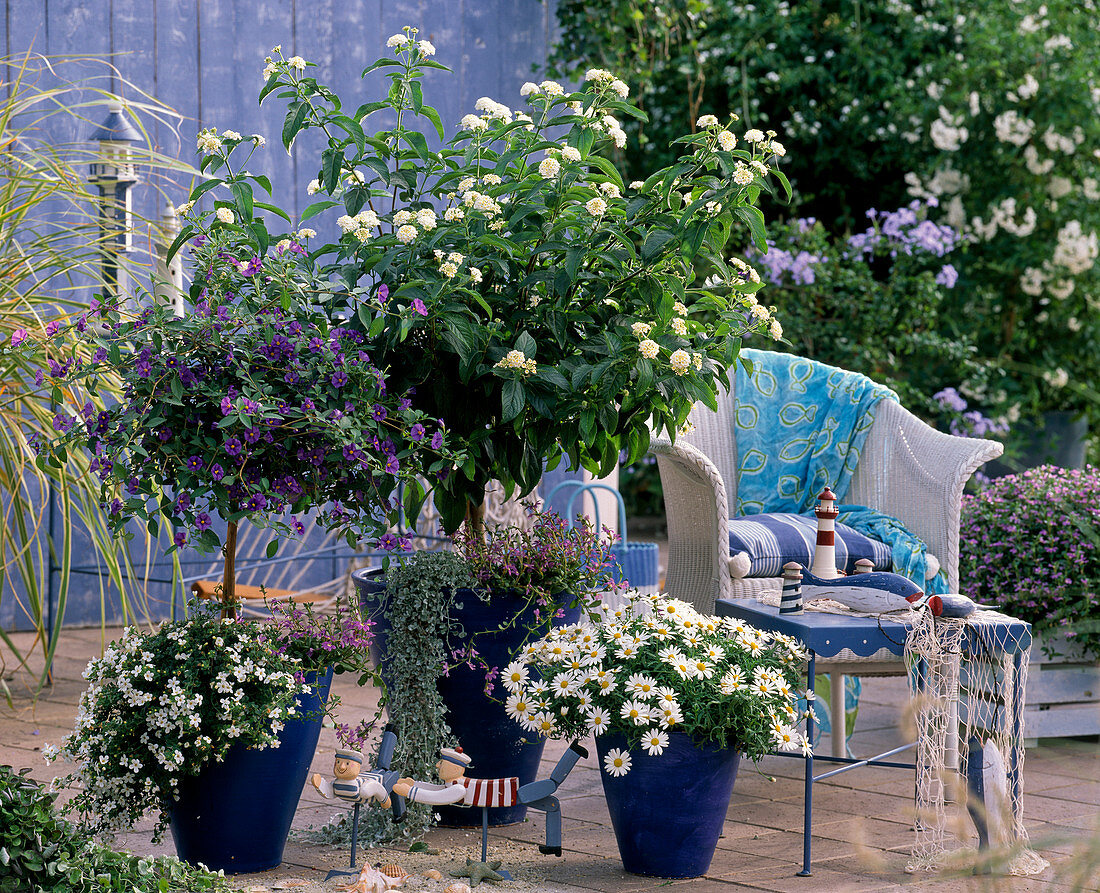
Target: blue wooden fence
[204,59]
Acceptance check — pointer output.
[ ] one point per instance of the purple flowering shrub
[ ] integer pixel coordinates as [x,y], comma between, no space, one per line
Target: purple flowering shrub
[877,301]
[339,639]
[260,405]
[1030,544]
[544,560]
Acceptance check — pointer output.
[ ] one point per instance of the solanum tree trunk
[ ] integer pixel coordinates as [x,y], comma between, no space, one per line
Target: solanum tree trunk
[229,576]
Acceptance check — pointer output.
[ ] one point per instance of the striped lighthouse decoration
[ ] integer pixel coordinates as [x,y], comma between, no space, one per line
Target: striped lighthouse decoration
[791,600]
[824,564]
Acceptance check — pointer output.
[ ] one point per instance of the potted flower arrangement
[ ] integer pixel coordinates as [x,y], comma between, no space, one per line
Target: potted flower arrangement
[448,622]
[674,699]
[1029,543]
[211,723]
[259,407]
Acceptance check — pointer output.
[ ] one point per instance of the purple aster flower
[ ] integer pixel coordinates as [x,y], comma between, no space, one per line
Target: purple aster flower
[383,293]
[18,337]
[183,502]
[378,412]
[392,465]
[308,405]
[298,527]
[226,406]
[416,432]
[233,446]
[179,538]
[194,463]
[51,328]
[252,267]
[217,472]
[202,521]
[292,377]
[437,440]
[418,307]
[251,406]
[339,378]
[256,502]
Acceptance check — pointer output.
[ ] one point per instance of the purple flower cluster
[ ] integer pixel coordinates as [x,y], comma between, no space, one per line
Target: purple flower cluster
[339,639]
[970,423]
[905,231]
[1030,544]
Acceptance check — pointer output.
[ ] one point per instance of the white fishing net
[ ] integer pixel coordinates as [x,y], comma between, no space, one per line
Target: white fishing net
[969,727]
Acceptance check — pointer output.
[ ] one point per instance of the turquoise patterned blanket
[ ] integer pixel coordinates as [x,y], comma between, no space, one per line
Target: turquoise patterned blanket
[800,428]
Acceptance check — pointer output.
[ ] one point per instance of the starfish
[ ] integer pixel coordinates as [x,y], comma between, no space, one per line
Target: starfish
[480,871]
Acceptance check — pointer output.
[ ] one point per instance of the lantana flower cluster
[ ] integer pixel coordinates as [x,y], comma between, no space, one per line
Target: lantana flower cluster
[520,237]
[159,706]
[1030,544]
[656,667]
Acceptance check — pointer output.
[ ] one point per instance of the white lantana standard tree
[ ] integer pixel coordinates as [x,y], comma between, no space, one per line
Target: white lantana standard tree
[498,277]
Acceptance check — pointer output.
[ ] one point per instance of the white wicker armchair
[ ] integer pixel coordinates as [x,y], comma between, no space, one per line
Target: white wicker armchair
[906,469]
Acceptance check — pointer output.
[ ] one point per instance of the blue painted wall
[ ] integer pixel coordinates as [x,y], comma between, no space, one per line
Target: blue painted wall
[204,59]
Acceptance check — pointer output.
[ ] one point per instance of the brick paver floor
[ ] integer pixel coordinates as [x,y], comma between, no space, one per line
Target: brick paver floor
[862,819]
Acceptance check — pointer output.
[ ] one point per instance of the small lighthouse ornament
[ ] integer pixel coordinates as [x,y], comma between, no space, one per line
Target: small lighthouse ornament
[824,564]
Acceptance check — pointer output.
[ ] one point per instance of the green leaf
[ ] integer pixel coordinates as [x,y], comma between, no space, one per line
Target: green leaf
[432,115]
[332,160]
[419,144]
[755,219]
[263,181]
[381,63]
[369,108]
[316,208]
[186,233]
[526,343]
[272,548]
[292,124]
[272,84]
[654,242]
[417,92]
[204,188]
[512,399]
[279,212]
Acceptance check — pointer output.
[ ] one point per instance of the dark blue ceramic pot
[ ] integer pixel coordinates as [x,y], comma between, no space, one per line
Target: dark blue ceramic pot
[668,810]
[235,815]
[497,745]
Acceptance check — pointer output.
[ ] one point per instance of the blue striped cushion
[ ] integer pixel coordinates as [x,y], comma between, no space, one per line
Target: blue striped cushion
[773,539]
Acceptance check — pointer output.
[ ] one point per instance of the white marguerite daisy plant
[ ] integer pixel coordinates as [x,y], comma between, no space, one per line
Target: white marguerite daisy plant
[657,667]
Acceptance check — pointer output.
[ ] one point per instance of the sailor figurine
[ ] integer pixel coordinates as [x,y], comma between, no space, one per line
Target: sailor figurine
[351,783]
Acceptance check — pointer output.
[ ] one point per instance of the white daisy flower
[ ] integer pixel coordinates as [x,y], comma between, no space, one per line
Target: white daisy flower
[640,684]
[598,720]
[655,741]
[617,762]
[635,711]
[514,676]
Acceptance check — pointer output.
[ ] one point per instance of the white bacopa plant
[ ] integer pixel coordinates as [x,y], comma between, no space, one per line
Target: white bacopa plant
[656,666]
[160,706]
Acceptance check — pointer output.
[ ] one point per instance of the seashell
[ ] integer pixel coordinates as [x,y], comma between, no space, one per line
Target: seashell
[457,888]
[392,869]
[433,874]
